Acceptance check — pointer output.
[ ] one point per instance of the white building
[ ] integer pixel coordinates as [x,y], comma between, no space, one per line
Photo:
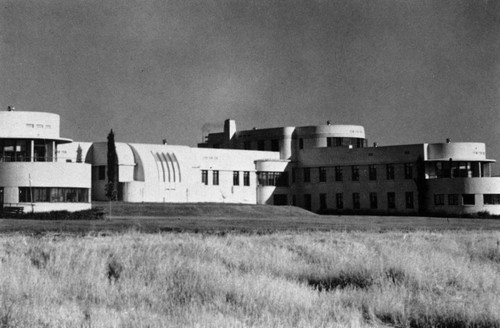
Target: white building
[321,168]
[30,175]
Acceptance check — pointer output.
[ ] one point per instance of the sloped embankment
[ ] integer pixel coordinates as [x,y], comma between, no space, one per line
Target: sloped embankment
[200,209]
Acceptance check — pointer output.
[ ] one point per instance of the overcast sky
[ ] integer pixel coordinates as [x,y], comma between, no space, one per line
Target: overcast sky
[409,71]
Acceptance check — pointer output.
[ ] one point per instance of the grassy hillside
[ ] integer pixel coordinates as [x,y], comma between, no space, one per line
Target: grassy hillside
[313,279]
[241,218]
[122,209]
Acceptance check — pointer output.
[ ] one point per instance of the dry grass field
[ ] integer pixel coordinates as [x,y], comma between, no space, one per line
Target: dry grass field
[282,279]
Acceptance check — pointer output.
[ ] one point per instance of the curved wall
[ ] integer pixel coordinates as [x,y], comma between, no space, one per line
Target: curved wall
[476,186]
[315,136]
[470,151]
[265,193]
[36,125]
[44,174]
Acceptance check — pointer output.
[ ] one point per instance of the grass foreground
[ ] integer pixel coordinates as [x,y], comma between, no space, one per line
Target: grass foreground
[283,279]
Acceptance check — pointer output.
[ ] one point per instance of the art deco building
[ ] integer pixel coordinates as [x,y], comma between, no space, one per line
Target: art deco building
[327,168]
[30,175]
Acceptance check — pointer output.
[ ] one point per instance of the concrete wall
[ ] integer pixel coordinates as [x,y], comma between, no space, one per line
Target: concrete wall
[460,186]
[43,174]
[265,193]
[34,125]
[163,173]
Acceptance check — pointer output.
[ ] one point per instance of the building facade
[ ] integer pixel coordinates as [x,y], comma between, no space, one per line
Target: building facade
[327,168]
[31,176]
[331,168]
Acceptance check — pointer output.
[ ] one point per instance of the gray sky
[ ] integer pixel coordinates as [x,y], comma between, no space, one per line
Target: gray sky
[409,71]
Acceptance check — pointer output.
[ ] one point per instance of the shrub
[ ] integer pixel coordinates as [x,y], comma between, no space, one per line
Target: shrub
[92,214]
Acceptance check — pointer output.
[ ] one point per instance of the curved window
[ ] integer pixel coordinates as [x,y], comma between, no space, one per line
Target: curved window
[346,142]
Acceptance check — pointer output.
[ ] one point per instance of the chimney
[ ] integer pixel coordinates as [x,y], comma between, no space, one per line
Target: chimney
[10,108]
[448,140]
[229,129]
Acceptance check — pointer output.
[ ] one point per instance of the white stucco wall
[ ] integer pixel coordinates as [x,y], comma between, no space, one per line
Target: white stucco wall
[460,186]
[43,174]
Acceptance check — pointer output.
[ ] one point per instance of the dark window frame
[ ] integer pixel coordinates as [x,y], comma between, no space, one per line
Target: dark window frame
[204,177]
[322,174]
[391,200]
[236,178]
[215,177]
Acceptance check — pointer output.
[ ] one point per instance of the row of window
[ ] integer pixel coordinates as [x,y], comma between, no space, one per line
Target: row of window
[356,200]
[339,173]
[261,145]
[346,142]
[279,179]
[53,195]
[466,199]
[19,150]
[215,178]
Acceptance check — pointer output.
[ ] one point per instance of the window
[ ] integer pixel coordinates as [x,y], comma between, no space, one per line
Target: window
[360,143]
[101,172]
[236,178]
[246,178]
[322,174]
[322,201]
[339,200]
[215,177]
[372,172]
[438,199]
[307,202]
[247,145]
[294,174]
[275,145]
[373,200]
[338,173]
[391,200]
[491,199]
[307,174]
[355,173]
[12,150]
[30,125]
[468,199]
[301,143]
[355,201]
[409,171]
[53,195]
[261,145]
[329,142]
[204,177]
[279,179]
[390,171]
[409,199]
[453,199]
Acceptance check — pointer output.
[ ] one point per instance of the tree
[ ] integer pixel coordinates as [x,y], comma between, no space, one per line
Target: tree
[79,154]
[112,170]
